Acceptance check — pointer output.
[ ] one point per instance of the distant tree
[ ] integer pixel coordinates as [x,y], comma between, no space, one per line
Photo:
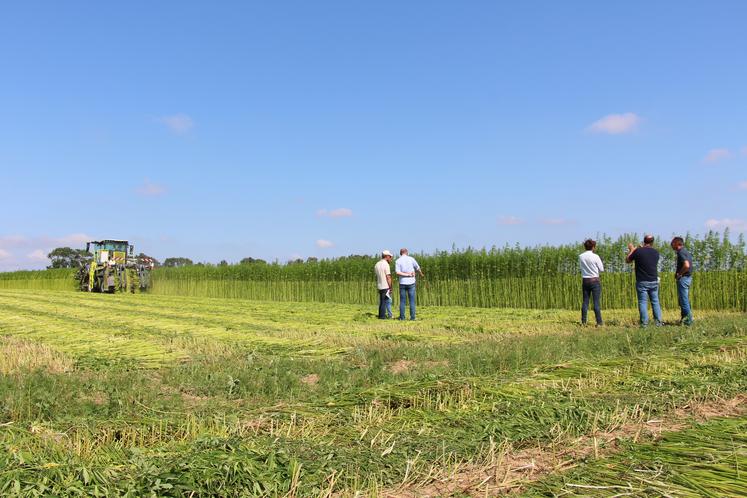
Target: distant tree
[177,262]
[312,259]
[298,261]
[223,262]
[144,259]
[65,257]
[250,261]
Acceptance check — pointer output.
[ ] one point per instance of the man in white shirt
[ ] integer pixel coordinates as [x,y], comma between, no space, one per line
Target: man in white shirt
[591,266]
[384,281]
[406,267]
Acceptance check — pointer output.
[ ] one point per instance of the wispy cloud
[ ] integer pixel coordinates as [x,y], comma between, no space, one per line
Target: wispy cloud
[150,189]
[73,240]
[735,224]
[22,252]
[13,240]
[744,151]
[509,220]
[324,244]
[335,213]
[177,123]
[742,185]
[37,255]
[556,221]
[615,124]
[716,155]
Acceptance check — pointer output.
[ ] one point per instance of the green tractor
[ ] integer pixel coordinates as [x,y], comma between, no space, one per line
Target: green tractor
[114,268]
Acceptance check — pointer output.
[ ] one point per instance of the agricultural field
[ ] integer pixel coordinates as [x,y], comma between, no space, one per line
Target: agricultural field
[169,395]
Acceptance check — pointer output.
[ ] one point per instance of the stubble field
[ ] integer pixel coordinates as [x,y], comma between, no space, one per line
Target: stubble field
[147,395]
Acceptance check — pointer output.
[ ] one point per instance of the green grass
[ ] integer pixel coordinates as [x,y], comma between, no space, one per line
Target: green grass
[708,460]
[169,395]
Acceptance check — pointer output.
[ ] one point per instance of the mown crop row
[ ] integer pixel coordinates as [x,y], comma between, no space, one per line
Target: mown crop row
[236,405]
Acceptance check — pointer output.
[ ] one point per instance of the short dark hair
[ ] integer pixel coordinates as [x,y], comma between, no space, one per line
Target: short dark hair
[678,241]
[590,244]
[648,239]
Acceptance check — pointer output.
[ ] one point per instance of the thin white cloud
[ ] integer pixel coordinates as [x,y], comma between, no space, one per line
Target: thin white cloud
[716,155]
[615,124]
[178,123]
[73,240]
[150,189]
[744,151]
[509,220]
[742,185]
[556,221]
[324,244]
[30,253]
[37,255]
[335,213]
[13,240]
[734,224]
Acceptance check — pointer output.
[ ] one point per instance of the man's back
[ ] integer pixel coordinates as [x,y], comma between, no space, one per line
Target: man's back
[406,264]
[682,256]
[646,264]
[590,264]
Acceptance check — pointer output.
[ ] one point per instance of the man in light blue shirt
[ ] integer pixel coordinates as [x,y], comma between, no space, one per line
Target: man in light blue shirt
[406,267]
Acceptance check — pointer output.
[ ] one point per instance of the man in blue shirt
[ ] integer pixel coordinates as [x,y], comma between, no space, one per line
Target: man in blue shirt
[406,267]
[646,260]
[684,278]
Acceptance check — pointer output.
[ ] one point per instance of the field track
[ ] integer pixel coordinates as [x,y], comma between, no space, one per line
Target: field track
[140,394]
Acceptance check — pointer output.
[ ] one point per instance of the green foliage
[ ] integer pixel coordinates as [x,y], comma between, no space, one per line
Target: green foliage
[177,262]
[65,257]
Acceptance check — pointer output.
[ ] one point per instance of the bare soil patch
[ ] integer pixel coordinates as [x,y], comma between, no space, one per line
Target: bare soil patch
[310,380]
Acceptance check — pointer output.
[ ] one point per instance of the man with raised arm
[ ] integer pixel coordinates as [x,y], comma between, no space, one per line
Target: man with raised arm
[646,260]
[406,267]
[383,281]
[683,276]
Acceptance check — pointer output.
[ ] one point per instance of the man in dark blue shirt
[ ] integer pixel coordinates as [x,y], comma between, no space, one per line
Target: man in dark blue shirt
[646,260]
[683,276]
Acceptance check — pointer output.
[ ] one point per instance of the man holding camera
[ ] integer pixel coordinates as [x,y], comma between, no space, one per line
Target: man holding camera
[646,260]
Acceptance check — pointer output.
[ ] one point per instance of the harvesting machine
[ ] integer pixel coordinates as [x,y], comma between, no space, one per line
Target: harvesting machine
[114,268]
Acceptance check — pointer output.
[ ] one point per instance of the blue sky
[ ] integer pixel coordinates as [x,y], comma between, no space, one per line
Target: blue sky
[287,129]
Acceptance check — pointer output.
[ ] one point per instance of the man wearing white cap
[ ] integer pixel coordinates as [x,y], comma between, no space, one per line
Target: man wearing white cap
[383,281]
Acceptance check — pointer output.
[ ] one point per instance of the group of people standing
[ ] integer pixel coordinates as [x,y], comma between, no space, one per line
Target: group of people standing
[406,269]
[646,260]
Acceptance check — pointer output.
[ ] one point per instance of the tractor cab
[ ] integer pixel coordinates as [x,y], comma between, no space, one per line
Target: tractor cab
[110,252]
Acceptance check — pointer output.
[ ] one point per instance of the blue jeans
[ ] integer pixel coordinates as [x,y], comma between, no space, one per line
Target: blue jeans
[406,292]
[388,305]
[683,297]
[646,291]
[591,289]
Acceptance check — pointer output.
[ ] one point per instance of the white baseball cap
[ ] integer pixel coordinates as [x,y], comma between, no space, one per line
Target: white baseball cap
[386,252]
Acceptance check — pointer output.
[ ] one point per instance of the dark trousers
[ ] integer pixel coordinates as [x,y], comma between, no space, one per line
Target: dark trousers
[382,303]
[592,287]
